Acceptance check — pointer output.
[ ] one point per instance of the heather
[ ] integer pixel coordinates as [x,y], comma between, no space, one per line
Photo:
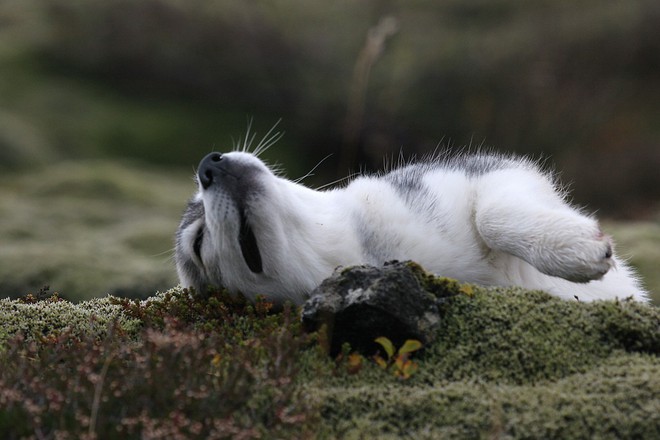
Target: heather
[163,368]
[506,363]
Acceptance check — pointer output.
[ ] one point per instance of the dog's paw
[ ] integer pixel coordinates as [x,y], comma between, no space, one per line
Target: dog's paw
[591,259]
[579,254]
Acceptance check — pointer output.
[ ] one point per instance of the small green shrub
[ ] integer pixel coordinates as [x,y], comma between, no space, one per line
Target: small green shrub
[197,368]
[506,363]
[398,361]
[37,316]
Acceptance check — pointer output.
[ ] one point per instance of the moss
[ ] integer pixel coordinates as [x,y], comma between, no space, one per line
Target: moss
[616,399]
[507,363]
[520,336]
[50,317]
[510,363]
[441,287]
[629,325]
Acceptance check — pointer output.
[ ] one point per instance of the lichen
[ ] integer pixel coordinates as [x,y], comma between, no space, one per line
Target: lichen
[48,317]
[506,363]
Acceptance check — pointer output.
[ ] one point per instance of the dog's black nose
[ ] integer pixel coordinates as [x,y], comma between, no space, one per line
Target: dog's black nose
[208,169]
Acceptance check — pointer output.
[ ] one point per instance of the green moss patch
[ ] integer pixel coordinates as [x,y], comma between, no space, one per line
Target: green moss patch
[618,398]
[506,363]
[520,336]
[510,363]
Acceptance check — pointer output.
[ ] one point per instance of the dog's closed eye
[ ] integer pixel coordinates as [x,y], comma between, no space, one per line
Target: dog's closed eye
[197,244]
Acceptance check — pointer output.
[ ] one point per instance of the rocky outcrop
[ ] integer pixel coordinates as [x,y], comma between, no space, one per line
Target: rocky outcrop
[358,304]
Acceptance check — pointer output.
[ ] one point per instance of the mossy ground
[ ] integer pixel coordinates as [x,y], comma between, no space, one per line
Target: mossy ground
[514,364]
[507,363]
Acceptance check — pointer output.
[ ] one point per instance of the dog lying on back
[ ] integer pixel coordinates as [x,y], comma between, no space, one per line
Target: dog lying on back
[484,218]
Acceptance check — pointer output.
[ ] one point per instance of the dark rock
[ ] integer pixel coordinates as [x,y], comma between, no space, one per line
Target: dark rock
[358,304]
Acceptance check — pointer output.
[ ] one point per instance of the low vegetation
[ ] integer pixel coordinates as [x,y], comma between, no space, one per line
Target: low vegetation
[168,367]
[507,364]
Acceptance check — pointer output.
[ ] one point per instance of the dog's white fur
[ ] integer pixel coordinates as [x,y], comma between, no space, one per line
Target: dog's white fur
[483,219]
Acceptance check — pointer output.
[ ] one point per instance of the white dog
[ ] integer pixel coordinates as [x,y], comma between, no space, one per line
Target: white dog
[483,218]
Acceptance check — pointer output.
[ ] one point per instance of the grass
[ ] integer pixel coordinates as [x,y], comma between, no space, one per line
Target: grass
[507,363]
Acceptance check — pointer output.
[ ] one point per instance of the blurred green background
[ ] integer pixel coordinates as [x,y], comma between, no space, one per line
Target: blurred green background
[106,107]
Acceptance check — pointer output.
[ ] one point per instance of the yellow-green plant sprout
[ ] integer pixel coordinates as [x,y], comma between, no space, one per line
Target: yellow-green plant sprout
[398,360]
[387,346]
